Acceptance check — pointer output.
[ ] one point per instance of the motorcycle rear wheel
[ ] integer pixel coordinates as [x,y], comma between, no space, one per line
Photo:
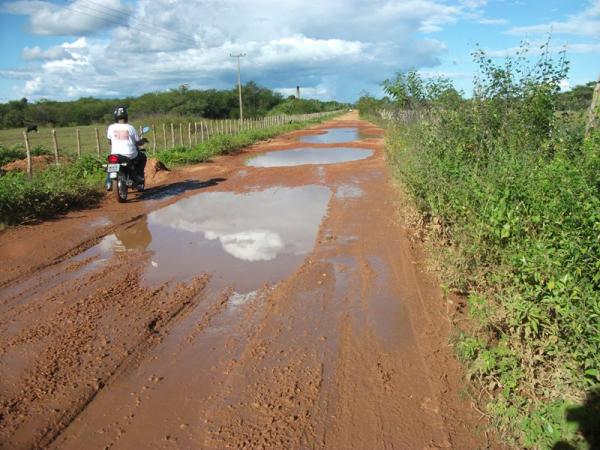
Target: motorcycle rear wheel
[120,189]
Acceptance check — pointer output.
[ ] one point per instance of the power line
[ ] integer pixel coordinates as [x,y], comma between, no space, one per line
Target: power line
[111,20]
[118,15]
[115,20]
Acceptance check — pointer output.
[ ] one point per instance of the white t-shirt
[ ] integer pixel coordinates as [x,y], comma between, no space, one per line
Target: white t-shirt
[123,138]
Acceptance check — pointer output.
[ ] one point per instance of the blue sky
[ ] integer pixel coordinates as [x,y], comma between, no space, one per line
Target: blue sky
[334,49]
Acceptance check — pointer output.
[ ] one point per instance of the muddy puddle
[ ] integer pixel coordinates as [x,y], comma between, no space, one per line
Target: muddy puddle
[337,135]
[309,155]
[244,240]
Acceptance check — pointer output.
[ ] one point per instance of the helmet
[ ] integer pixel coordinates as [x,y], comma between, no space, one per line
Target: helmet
[120,113]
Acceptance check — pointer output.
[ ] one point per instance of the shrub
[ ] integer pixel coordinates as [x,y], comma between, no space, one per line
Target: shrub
[51,192]
[8,155]
[516,187]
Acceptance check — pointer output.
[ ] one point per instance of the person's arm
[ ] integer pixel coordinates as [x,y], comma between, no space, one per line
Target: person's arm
[134,134]
[109,134]
[138,141]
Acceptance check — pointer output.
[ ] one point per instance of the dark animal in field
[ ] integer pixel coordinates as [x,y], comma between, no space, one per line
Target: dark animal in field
[31,128]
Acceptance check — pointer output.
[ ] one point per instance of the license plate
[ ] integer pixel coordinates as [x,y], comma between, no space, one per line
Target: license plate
[113,167]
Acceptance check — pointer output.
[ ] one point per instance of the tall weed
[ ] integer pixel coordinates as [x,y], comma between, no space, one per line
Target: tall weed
[516,188]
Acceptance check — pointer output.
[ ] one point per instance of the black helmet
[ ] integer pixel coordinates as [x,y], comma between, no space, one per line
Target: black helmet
[120,113]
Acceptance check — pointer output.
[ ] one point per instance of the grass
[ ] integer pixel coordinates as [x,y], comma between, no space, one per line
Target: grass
[222,144]
[511,189]
[59,189]
[523,230]
[67,136]
[51,192]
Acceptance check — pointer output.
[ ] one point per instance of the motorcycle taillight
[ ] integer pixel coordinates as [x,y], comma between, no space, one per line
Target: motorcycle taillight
[113,159]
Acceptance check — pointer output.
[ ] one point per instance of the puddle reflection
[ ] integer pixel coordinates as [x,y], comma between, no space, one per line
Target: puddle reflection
[309,155]
[335,135]
[245,240]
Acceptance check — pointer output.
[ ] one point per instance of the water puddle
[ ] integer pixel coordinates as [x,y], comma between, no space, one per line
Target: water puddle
[309,155]
[336,135]
[244,240]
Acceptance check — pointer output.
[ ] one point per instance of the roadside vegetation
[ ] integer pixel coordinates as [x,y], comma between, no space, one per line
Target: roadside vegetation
[224,144]
[78,183]
[509,184]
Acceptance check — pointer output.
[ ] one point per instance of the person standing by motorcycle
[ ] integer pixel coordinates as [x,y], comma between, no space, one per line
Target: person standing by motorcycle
[124,141]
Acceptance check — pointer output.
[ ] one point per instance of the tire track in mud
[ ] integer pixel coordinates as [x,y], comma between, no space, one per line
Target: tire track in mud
[64,256]
[346,351]
[85,335]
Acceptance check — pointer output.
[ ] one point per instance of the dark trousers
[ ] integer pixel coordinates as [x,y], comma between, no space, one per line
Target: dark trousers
[139,163]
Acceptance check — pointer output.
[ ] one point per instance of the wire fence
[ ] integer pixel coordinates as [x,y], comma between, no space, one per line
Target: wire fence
[77,141]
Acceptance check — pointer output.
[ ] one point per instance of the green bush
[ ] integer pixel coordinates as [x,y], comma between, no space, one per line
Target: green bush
[8,155]
[515,186]
[51,192]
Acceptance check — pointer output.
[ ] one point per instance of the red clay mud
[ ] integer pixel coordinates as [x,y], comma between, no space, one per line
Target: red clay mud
[231,307]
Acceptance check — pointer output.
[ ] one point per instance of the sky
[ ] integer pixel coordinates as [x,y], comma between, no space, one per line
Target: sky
[332,49]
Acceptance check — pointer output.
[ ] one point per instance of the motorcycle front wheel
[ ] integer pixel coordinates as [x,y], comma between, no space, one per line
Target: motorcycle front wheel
[120,189]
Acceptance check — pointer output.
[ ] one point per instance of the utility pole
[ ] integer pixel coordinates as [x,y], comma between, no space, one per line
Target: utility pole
[238,56]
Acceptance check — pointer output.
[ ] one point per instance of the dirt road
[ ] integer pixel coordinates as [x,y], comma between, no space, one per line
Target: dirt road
[262,303]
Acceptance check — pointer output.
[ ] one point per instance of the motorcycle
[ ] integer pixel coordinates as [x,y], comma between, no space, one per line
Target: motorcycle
[120,172]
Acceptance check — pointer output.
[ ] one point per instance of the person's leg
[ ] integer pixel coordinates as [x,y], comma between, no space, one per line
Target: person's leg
[140,163]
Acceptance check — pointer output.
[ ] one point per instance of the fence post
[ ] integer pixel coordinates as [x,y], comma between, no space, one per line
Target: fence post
[172,136]
[97,141]
[55,146]
[153,139]
[195,133]
[181,134]
[28,152]
[594,110]
[164,127]
[78,144]
[190,134]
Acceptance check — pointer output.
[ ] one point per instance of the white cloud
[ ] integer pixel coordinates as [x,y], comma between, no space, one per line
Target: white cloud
[32,86]
[584,48]
[534,48]
[565,85]
[77,17]
[473,3]
[485,21]
[332,50]
[251,245]
[34,53]
[586,23]
[164,43]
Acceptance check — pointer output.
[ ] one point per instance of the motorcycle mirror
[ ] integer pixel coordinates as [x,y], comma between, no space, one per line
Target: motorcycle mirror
[145,129]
